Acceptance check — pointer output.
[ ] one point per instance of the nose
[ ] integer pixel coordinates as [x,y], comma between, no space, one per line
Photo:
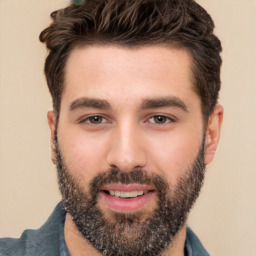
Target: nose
[127,149]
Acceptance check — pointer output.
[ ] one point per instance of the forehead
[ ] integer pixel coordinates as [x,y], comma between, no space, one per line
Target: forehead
[127,73]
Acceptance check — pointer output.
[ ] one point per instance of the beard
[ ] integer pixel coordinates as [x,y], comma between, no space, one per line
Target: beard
[130,234]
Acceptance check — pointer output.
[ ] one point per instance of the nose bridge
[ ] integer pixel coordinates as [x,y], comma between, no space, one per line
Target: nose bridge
[127,150]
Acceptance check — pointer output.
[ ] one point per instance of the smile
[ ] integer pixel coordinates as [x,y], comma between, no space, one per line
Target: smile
[126,194]
[127,198]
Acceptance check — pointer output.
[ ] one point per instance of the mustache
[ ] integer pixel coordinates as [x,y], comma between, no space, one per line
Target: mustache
[135,176]
[113,175]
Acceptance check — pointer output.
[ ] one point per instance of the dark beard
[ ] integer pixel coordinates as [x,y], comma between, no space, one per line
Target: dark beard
[131,234]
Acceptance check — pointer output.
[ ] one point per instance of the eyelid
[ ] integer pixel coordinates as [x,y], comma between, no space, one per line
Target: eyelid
[85,119]
[170,119]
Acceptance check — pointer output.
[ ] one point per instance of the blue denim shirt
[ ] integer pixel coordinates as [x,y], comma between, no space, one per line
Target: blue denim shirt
[49,240]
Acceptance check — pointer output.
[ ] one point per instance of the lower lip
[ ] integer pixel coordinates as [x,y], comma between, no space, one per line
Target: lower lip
[126,205]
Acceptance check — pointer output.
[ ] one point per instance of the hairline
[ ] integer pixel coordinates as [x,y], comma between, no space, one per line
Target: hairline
[169,44]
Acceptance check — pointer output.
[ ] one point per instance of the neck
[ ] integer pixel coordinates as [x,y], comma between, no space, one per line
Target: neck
[78,245]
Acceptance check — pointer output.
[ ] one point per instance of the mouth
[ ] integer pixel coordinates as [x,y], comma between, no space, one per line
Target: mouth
[127,198]
[126,194]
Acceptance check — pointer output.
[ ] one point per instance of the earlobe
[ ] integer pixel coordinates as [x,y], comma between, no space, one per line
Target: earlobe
[51,117]
[213,133]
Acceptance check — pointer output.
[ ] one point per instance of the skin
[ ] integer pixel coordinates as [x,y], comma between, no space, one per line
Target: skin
[128,134]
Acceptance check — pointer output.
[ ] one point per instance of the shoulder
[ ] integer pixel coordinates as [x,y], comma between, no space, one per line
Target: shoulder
[43,241]
[11,246]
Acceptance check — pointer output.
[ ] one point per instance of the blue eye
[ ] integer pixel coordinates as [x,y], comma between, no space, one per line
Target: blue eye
[160,119]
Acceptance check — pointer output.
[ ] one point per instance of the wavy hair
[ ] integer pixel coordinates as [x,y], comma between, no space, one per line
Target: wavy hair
[177,23]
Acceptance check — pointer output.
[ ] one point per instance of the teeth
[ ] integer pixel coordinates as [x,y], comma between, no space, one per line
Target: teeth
[112,193]
[127,194]
[133,194]
[140,193]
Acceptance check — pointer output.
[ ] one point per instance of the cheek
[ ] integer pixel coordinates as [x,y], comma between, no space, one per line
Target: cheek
[173,155]
[83,156]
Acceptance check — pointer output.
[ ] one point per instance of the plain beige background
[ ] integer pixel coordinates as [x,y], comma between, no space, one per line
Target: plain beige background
[225,214]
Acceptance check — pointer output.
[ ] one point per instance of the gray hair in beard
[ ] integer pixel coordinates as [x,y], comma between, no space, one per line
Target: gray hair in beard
[128,235]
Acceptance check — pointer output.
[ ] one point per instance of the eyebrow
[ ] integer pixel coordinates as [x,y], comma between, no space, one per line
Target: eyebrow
[89,103]
[164,102]
[146,104]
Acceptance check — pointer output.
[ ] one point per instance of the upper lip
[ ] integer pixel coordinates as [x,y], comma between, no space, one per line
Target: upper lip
[127,187]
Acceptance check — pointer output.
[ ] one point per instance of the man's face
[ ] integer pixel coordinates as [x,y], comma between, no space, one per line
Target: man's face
[130,138]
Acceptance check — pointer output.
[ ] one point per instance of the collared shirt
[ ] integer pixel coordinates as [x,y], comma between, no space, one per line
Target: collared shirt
[49,240]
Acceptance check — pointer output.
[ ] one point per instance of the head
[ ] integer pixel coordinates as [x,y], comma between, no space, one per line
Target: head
[179,24]
[134,87]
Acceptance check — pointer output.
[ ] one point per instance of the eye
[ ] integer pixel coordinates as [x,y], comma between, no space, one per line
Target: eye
[161,119]
[94,120]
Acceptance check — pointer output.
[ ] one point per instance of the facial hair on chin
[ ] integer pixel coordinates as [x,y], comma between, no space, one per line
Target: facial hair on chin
[128,234]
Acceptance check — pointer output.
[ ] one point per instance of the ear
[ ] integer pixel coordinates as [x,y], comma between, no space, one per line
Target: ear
[213,133]
[51,117]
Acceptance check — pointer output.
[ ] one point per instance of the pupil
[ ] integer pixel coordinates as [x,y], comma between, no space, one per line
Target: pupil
[160,119]
[96,119]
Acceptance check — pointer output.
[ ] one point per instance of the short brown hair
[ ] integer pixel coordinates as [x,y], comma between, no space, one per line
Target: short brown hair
[179,23]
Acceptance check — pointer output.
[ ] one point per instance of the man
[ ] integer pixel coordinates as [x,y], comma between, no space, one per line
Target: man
[135,120]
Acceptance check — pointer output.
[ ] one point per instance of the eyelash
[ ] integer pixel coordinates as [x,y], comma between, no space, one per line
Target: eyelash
[166,118]
[87,119]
